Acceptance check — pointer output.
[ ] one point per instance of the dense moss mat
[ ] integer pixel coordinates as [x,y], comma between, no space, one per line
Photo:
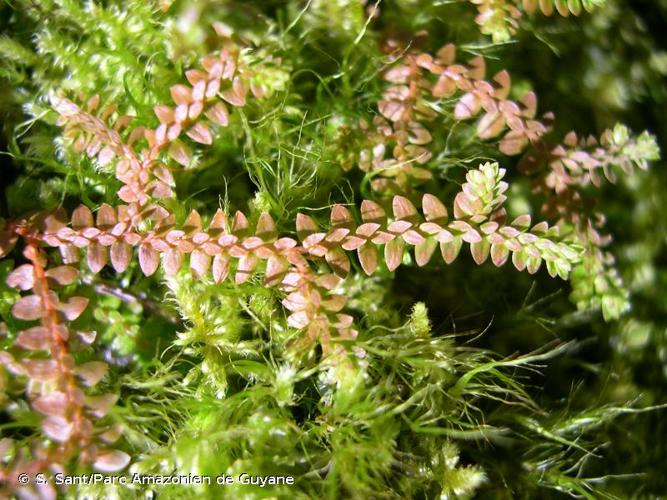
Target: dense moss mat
[342,243]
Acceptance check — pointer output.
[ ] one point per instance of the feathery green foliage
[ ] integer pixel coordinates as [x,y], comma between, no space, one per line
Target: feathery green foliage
[232,242]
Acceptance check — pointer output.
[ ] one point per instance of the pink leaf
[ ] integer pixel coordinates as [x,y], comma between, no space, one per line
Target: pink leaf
[73,308]
[164,113]
[328,281]
[174,131]
[106,217]
[219,221]
[158,189]
[28,308]
[41,370]
[181,94]
[195,76]
[212,88]
[121,254]
[490,125]
[112,434]
[257,89]
[213,65]
[467,107]
[504,81]
[220,267]
[519,260]
[305,226]
[338,262]
[489,227]
[111,461]
[431,228]
[433,208]
[392,110]
[34,339]
[276,267]
[218,114]
[444,236]
[172,261]
[540,228]
[55,221]
[240,224]
[393,253]
[198,93]
[127,194]
[180,152]
[353,242]
[398,74]
[533,264]
[343,321]
[412,237]
[444,87]
[92,372]
[266,228]
[87,337]
[367,229]
[571,139]
[477,69]
[403,208]
[82,217]
[499,254]
[97,257]
[199,263]
[7,242]
[418,134]
[450,250]
[163,173]
[509,232]
[100,405]
[93,103]
[148,259]
[54,403]
[246,267]
[21,277]
[57,428]
[513,143]
[298,320]
[372,212]
[8,361]
[200,133]
[239,86]
[236,95]
[471,236]
[193,222]
[530,5]
[447,54]
[522,222]
[295,301]
[424,251]
[480,251]
[529,102]
[341,216]
[333,303]
[284,243]
[368,257]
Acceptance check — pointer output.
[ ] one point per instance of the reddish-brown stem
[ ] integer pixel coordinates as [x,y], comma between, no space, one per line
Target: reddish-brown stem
[58,347]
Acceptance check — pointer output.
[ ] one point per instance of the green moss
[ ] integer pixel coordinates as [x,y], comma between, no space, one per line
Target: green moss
[455,381]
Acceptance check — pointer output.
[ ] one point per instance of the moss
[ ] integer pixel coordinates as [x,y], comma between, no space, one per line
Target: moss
[448,377]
